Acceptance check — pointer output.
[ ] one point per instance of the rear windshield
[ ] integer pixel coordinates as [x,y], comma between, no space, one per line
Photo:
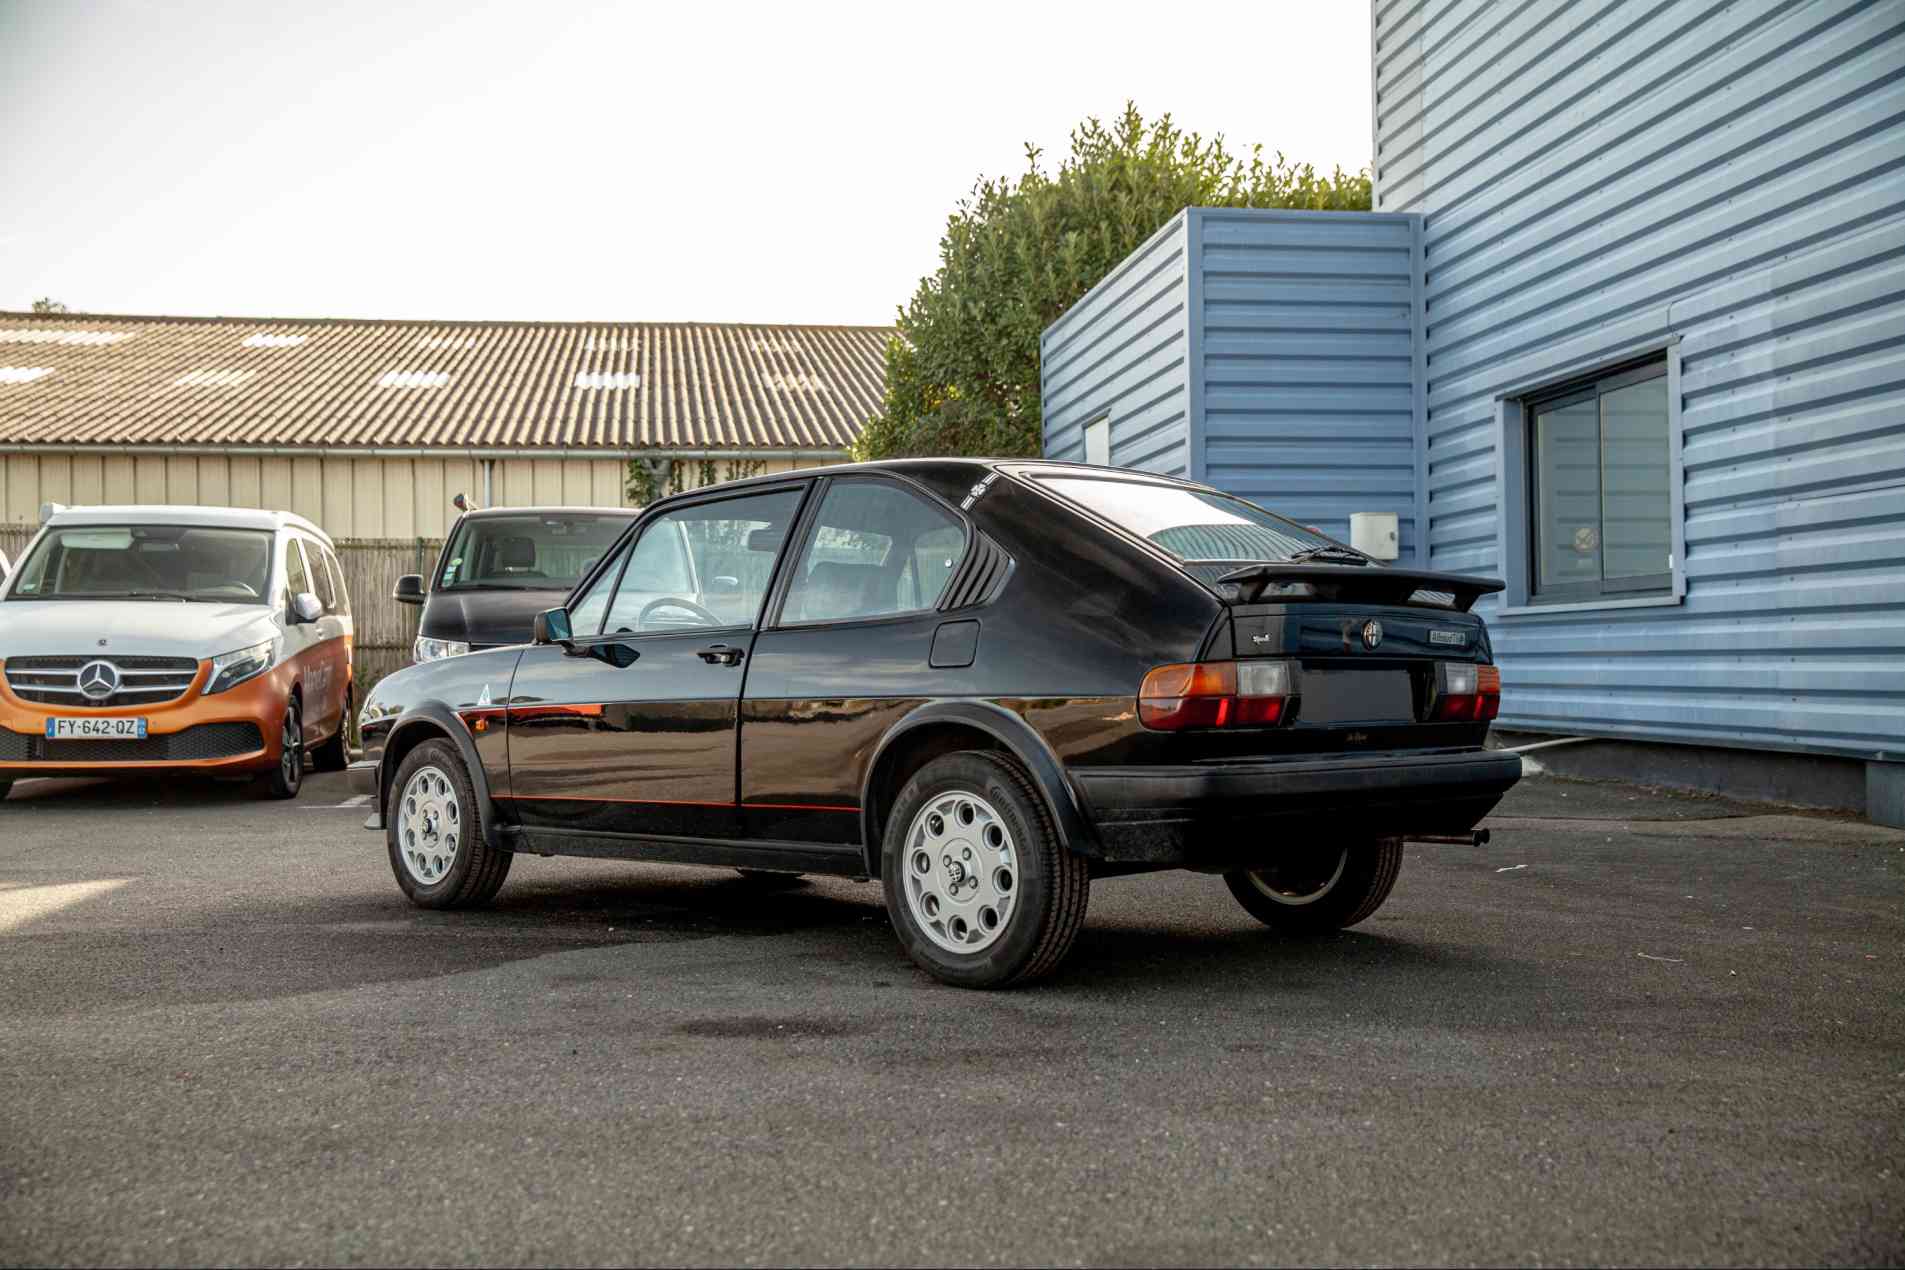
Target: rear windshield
[547,552]
[147,562]
[1193,525]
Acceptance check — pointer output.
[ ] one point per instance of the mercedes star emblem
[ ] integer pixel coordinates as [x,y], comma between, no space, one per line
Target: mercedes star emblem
[98,680]
[1372,633]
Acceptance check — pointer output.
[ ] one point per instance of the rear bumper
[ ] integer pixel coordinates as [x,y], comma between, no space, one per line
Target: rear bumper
[1219,816]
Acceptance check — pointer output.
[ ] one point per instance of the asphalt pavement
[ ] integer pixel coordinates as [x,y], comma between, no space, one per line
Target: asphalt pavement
[1636,1028]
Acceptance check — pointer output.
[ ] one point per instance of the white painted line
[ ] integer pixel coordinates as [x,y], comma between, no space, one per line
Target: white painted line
[22,904]
[349,804]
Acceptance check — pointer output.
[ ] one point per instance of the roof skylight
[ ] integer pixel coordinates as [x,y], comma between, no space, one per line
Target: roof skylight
[796,383]
[63,337]
[23,374]
[607,379]
[213,378]
[413,379]
[265,339]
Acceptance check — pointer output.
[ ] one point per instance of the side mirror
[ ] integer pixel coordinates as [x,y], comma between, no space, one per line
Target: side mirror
[306,607]
[409,589]
[552,627]
[723,585]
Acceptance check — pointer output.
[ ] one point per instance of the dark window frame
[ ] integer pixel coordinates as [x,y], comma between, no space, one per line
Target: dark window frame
[1587,388]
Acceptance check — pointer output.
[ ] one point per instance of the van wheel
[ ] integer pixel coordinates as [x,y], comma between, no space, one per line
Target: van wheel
[979,889]
[1315,890]
[335,754]
[436,847]
[287,778]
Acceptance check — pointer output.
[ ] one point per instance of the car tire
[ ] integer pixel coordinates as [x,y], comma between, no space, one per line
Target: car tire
[1316,891]
[287,778]
[980,890]
[335,754]
[767,879]
[433,832]
[6,787]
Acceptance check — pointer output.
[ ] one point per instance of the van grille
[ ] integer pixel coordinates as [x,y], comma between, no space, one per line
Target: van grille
[143,681]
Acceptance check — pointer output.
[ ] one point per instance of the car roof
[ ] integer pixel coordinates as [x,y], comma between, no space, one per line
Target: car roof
[564,510]
[171,514]
[980,466]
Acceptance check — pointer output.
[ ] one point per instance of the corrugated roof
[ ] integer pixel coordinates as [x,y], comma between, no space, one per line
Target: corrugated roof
[515,385]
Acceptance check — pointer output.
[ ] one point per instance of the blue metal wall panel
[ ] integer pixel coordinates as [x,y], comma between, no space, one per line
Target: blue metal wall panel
[1605,175]
[1304,362]
[1120,353]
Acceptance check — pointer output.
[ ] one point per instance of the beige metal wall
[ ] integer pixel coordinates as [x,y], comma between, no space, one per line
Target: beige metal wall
[375,498]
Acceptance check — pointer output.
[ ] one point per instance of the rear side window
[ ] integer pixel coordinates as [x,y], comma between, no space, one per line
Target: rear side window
[320,576]
[296,581]
[876,550]
[337,580]
[1193,525]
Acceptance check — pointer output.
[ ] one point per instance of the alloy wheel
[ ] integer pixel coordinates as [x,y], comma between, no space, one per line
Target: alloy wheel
[429,825]
[962,873]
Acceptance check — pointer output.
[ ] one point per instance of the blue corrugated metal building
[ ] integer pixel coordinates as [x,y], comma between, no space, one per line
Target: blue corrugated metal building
[1626,328]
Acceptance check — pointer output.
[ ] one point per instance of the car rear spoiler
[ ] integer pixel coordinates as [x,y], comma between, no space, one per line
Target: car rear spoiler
[1364,584]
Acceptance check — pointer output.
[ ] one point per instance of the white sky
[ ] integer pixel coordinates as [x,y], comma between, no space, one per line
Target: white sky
[789,162]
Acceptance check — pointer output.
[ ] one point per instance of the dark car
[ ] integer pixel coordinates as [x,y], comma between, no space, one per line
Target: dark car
[499,568]
[983,683]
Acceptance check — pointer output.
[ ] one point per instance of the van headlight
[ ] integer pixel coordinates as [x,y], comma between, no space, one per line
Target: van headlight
[231,669]
[434,649]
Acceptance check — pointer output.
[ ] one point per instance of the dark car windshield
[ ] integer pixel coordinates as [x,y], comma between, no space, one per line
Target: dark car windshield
[147,562]
[545,551]
[1196,526]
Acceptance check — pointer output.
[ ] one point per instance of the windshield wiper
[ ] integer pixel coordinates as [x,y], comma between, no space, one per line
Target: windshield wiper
[1329,551]
[118,595]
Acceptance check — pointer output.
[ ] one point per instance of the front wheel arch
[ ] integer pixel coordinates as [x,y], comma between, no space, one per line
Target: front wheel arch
[429,722]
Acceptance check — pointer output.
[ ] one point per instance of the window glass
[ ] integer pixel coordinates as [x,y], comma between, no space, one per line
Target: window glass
[547,551]
[1635,504]
[1193,525]
[585,615]
[337,581]
[1568,494]
[717,557]
[169,562]
[320,576]
[1602,496]
[296,581]
[876,550]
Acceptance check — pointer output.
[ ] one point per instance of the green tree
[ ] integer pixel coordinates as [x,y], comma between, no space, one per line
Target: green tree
[962,375]
[47,304]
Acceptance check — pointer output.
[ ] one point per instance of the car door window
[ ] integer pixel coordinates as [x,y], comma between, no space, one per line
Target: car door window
[586,614]
[705,565]
[876,550]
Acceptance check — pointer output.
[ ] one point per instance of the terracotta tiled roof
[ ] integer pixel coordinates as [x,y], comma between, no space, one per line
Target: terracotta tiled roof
[83,380]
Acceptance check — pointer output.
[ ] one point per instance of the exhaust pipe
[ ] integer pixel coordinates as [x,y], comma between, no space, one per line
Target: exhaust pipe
[1474,838]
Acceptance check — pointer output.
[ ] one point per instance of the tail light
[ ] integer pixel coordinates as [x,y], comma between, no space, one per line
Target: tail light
[1217,694]
[1466,693]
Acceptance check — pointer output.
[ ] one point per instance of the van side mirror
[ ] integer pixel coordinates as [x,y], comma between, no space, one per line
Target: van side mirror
[306,607]
[552,627]
[409,589]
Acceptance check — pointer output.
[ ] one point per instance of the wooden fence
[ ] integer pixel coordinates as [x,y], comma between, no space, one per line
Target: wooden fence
[385,628]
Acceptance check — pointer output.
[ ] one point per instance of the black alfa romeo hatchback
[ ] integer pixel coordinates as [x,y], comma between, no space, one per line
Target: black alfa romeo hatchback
[983,683]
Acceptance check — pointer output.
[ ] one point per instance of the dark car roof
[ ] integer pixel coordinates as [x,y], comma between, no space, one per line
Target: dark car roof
[980,467]
[630,512]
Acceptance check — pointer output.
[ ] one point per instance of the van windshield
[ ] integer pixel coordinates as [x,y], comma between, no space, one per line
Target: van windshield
[1195,525]
[147,562]
[531,552]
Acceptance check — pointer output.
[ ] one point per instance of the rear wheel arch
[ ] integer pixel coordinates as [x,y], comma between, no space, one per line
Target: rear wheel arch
[949,727]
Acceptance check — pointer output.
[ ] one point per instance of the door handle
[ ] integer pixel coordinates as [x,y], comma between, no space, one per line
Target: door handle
[720,655]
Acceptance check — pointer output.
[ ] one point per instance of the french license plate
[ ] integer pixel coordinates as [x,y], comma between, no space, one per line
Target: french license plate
[96,729]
